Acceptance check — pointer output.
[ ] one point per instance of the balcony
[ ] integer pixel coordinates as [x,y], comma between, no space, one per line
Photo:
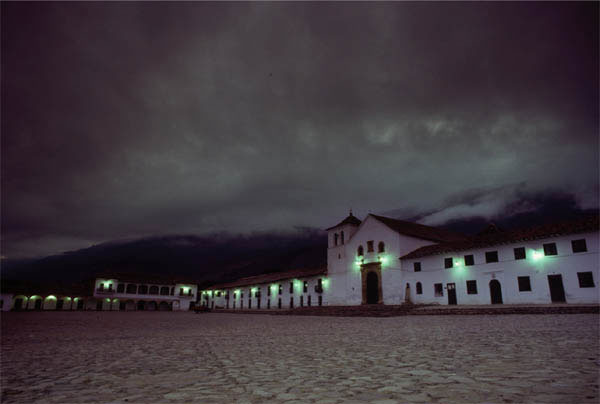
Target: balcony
[105,291]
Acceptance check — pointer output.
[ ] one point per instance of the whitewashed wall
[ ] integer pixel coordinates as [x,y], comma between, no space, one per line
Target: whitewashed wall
[506,271]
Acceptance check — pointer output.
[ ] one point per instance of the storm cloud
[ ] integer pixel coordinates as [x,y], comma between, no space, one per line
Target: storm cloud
[124,120]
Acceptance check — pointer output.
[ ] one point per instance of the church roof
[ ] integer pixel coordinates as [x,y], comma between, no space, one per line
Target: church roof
[351,219]
[272,277]
[492,238]
[419,230]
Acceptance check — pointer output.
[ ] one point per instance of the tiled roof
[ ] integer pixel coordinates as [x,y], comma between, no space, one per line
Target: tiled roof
[419,230]
[488,239]
[272,277]
[351,219]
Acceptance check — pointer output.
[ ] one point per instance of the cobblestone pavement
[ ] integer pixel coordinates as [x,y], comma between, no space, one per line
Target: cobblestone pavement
[83,357]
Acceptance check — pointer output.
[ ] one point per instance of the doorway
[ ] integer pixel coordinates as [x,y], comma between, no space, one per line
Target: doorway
[372,288]
[495,291]
[557,290]
[451,287]
[407,293]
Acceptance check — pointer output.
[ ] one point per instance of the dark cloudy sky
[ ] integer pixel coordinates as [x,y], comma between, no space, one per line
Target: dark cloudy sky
[124,120]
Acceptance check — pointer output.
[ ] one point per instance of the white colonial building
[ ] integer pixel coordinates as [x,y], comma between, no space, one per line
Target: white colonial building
[143,294]
[382,260]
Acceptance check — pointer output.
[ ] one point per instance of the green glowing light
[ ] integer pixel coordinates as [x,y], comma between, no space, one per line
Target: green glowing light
[274,288]
[325,283]
[253,290]
[51,297]
[108,300]
[536,255]
[67,298]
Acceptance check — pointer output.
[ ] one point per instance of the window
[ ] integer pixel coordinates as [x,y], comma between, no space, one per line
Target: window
[132,288]
[491,256]
[301,300]
[309,301]
[579,245]
[320,283]
[181,292]
[320,300]
[101,287]
[335,239]
[439,289]
[520,253]
[419,288]
[370,246]
[241,295]
[417,266]
[550,249]
[524,283]
[305,287]
[110,286]
[448,262]
[280,289]
[472,287]
[291,302]
[120,288]
[143,290]
[586,279]
[164,290]
[153,290]
[360,252]
[268,291]
[218,294]
[342,237]
[381,247]
[469,260]
[291,287]
[234,296]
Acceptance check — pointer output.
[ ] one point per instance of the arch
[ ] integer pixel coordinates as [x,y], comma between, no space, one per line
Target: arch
[419,288]
[35,303]
[143,290]
[407,293]
[141,305]
[164,291]
[131,288]
[372,288]
[151,306]
[19,303]
[381,247]
[49,303]
[129,305]
[360,251]
[164,306]
[495,291]
[154,290]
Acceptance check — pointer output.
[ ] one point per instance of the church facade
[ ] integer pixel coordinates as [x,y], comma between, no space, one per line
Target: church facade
[381,260]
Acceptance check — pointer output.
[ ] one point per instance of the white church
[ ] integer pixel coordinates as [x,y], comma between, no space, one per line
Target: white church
[381,260]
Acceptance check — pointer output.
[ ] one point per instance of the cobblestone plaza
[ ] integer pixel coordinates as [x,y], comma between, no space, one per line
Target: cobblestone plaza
[141,357]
